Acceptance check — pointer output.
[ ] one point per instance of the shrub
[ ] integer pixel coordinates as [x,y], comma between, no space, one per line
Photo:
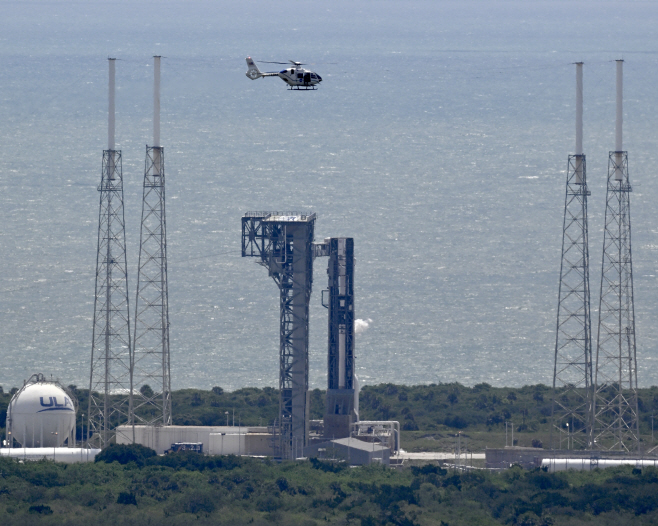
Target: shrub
[455,421]
[428,469]
[199,502]
[123,454]
[41,509]
[126,498]
[282,484]
[268,503]
[327,467]
[196,400]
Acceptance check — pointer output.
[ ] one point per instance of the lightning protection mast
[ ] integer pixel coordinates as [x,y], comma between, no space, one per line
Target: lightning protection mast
[615,407]
[572,372]
[151,382]
[109,384]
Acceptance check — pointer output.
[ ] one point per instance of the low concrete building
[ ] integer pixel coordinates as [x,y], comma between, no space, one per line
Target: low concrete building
[251,443]
[217,440]
[355,452]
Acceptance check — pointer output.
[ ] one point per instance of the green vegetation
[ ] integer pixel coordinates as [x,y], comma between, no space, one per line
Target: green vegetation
[430,415]
[131,485]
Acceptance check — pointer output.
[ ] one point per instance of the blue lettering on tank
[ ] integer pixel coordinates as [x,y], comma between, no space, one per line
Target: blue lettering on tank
[54,406]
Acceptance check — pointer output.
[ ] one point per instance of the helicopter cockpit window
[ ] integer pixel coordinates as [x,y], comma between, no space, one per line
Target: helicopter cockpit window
[299,75]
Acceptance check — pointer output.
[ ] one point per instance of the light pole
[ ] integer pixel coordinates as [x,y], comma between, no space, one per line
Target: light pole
[55,445]
[567,436]
[226,413]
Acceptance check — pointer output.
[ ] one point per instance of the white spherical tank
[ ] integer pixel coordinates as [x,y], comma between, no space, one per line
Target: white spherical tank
[41,415]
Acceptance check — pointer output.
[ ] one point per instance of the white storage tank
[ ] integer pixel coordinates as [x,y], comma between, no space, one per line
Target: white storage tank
[41,414]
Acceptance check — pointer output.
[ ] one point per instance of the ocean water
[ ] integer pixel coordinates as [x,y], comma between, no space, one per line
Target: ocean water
[438,140]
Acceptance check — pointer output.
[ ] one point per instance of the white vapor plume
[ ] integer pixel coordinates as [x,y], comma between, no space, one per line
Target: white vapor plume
[361,325]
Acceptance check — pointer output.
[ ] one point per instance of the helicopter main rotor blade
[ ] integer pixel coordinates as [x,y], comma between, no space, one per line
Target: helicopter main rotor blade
[267,62]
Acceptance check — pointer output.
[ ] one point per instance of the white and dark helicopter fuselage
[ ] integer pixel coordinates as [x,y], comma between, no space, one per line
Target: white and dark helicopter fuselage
[295,76]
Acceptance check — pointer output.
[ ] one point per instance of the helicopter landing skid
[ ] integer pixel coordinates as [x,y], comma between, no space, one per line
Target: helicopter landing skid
[302,88]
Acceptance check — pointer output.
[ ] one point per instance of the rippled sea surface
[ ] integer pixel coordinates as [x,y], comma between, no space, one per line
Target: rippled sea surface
[438,140]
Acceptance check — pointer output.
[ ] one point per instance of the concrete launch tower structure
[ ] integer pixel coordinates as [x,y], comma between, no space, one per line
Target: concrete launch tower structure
[110,377]
[572,372]
[615,404]
[151,381]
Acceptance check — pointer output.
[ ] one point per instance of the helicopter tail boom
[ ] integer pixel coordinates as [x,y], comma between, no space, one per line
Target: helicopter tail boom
[254,73]
[252,69]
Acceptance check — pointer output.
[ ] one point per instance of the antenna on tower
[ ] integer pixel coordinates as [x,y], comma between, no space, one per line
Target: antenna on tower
[151,381]
[572,372]
[615,404]
[110,382]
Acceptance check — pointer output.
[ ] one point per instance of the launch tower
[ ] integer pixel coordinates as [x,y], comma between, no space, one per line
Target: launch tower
[110,379]
[572,372]
[151,383]
[283,243]
[615,404]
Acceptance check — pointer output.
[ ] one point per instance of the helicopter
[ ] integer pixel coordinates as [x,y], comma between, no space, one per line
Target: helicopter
[297,77]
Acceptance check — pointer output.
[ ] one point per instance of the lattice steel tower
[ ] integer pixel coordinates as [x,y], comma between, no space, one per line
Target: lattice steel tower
[283,242]
[151,371]
[615,408]
[109,384]
[572,372]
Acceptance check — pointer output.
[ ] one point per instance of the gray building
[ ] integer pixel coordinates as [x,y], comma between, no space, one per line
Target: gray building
[355,452]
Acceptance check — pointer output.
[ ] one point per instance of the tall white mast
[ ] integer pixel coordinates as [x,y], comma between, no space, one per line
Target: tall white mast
[156,101]
[111,111]
[579,123]
[619,121]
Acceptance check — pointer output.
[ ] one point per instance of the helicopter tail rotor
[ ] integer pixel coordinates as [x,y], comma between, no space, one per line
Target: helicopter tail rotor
[252,70]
